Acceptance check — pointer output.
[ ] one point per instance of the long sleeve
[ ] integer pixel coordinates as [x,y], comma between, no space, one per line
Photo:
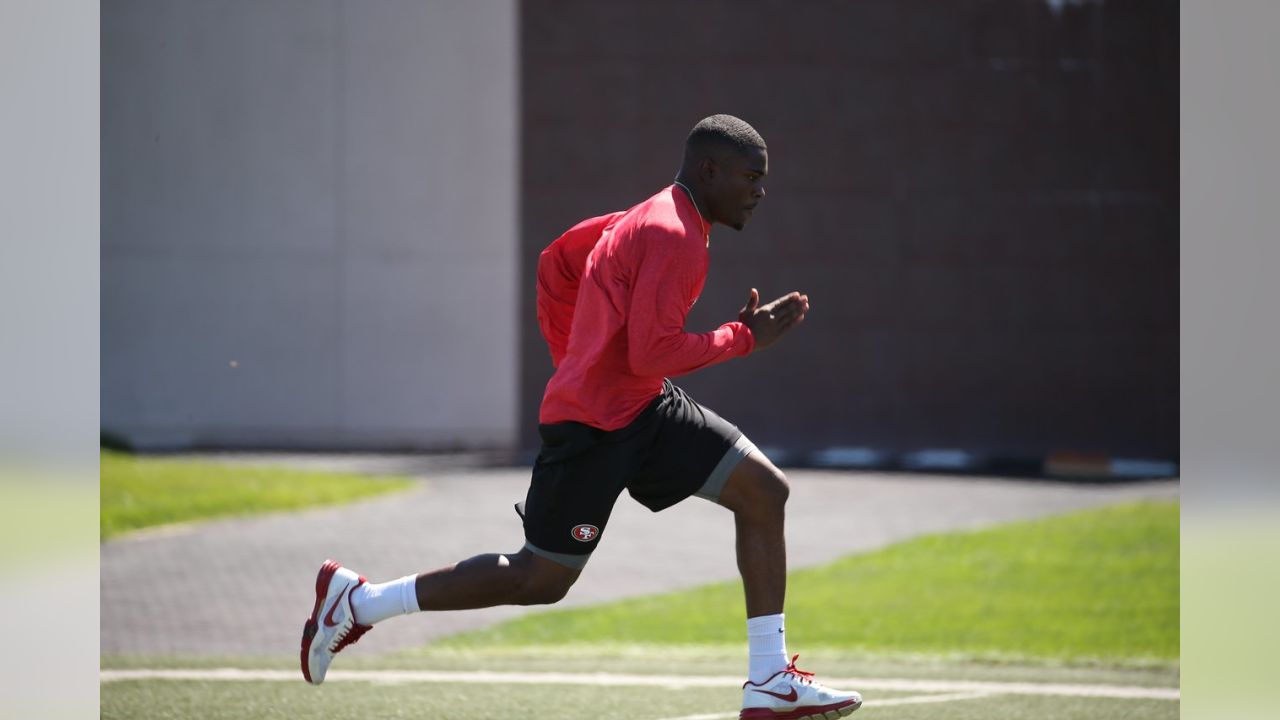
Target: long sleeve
[668,282]
[560,268]
[612,305]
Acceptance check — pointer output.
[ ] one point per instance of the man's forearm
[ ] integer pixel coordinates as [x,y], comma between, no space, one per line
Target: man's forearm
[682,353]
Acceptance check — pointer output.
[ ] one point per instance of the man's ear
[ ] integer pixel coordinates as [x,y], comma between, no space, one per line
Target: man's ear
[707,170]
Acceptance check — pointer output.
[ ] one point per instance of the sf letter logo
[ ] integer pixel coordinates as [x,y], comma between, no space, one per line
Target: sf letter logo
[585,533]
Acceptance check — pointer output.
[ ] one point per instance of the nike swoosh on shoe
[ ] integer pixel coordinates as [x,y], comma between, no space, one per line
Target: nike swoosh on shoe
[789,697]
[328,617]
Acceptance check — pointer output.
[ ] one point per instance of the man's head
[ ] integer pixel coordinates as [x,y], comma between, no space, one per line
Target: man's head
[725,161]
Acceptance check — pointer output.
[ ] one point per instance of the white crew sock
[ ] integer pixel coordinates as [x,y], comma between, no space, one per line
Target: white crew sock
[375,603]
[767,638]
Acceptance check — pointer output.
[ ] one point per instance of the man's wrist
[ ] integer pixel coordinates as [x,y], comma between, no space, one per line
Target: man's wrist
[751,339]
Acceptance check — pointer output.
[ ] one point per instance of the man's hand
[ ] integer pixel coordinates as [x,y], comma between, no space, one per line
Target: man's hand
[772,321]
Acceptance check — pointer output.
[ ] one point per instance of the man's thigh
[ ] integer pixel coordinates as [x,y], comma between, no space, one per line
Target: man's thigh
[575,484]
[694,453]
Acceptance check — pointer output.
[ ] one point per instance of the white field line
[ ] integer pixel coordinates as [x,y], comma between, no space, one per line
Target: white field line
[870,703]
[620,680]
[914,699]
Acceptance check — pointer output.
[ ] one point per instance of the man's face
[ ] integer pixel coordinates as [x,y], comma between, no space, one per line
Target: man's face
[738,186]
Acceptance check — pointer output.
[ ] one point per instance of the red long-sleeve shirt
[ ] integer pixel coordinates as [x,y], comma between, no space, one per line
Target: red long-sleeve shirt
[613,294]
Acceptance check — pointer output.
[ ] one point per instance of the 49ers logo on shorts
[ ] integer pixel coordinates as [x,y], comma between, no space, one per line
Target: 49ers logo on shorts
[585,533]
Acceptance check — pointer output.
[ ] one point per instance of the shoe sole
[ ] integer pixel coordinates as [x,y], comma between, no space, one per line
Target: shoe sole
[312,626]
[822,712]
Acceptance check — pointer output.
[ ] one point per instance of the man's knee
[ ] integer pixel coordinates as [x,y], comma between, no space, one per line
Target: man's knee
[543,582]
[756,486]
[543,591]
[775,486]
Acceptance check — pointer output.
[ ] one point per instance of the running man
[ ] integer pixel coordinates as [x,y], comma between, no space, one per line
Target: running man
[613,294]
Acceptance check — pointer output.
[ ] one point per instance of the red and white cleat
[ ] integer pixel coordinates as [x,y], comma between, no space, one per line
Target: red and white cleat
[332,625]
[792,694]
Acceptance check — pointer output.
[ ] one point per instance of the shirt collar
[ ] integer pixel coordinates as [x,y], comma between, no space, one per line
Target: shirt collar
[679,191]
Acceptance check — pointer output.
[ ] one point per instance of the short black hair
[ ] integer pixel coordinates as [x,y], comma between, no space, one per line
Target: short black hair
[723,130]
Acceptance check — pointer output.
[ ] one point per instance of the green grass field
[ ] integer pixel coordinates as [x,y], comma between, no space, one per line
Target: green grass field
[460,695]
[140,492]
[1087,599]
[1100,585]
[166,699]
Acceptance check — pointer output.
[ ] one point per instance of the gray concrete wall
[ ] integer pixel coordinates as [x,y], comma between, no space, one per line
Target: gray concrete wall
[309,223]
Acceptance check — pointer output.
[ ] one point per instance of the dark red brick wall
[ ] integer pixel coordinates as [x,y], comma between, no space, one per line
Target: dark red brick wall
[981,199]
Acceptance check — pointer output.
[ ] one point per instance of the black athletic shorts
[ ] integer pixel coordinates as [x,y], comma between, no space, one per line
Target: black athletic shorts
[673,449]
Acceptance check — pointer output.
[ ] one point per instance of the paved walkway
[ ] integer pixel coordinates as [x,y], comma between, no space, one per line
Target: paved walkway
[244,586]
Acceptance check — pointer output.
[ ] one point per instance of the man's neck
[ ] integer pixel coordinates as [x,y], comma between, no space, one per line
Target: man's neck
[692,193]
